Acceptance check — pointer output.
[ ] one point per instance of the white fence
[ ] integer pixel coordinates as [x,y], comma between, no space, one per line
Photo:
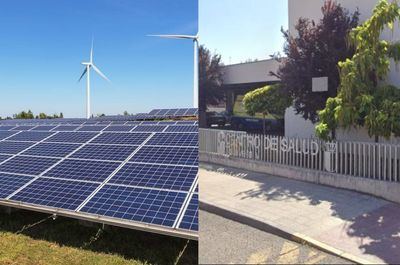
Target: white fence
[369,160]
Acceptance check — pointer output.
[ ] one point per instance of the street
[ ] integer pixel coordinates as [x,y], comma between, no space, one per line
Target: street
[229,242]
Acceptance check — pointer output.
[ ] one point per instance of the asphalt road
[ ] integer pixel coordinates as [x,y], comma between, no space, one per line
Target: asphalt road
[223,241]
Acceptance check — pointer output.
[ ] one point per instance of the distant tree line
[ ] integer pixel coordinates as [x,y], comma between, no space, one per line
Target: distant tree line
[29,115]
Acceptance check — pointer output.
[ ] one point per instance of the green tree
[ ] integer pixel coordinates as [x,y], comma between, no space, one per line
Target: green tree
[314,51]
[268,100]
[210,81]
[126,113]
[365,99]
[24,115]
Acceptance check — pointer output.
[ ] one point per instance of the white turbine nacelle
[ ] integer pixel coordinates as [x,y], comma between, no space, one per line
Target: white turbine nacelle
[88,66]
[195,39]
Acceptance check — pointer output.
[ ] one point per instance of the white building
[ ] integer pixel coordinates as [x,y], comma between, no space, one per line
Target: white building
[252,73]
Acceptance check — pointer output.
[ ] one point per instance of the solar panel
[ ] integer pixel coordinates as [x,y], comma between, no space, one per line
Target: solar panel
[55,193]
[10,183]
[156,176]
[10,147]
[183,128]
[104,169]
[30,136]
[121,138]
[174,139]
[51,149]
[43,128]
[6,128]
[92,128]
[4,157]
[66,128]
[119,128]
[142,205]
[23,128]
[82,170]
[27,165]
[5,134]
[149,128]
[105,152]
[190,220]
[167,155]
[72,137]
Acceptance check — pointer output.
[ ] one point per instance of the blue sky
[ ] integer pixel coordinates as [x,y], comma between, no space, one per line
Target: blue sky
[43,42]
[242,29]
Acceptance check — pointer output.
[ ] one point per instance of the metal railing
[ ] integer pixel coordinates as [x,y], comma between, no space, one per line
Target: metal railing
[360,159]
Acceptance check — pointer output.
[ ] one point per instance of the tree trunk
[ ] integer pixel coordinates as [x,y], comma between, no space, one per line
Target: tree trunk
[376,139]
[333,134]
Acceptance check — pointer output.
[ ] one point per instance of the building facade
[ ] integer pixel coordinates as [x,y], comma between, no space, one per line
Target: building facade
[241,78]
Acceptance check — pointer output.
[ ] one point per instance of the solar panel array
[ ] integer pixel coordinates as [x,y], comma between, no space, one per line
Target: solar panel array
[143,174]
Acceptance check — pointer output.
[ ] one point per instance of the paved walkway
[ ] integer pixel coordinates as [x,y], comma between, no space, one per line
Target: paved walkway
[224,241]
[356,224]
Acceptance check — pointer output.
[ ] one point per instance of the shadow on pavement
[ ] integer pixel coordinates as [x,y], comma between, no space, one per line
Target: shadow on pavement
[375,220]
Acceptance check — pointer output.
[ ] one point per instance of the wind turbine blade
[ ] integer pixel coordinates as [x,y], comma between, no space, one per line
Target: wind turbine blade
[169,36]
[100,73]
[91,53]
[84,72]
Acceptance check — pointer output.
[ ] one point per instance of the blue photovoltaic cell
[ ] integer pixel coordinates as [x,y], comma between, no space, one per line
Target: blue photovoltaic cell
[6,134]
[197,188]
[10,183]
[65,128]
[121,138]
[174,139]
[192,111]
[30,136]
[83,170]
[118,122]
[133,122]
[9,147]
[156,176]
[4,157]
[136,204]
[171,111]
[119,128]
[6,128]
[103,123]
[190,220]
[154,111]
[182,128]
[181,112]
[23,128]
[167,155]
[55,193]
[72,137]
[162,112]
[51,149]
[43,128]
[149,122]
[27,165]
[92,128]
[104,152]
[90,122]
[149,128]
[167,123]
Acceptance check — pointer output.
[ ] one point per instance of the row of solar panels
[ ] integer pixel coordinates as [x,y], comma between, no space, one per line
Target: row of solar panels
[147,180]
[103,128]
[92,122]
[174,112]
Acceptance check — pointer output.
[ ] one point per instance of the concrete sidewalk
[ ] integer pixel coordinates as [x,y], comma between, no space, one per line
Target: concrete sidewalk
[357,226]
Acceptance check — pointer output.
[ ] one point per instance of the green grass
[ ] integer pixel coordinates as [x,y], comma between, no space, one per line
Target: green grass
[65,241]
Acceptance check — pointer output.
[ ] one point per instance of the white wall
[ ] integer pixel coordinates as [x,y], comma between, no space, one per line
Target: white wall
[312,9]
[250,72]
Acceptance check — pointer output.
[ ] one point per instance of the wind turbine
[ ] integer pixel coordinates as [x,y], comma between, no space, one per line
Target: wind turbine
[195,39]
[88,66]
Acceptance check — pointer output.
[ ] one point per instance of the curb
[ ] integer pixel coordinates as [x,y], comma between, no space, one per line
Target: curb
[292,236]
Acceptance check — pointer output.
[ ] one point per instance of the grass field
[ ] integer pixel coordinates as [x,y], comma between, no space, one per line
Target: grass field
[65,241]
